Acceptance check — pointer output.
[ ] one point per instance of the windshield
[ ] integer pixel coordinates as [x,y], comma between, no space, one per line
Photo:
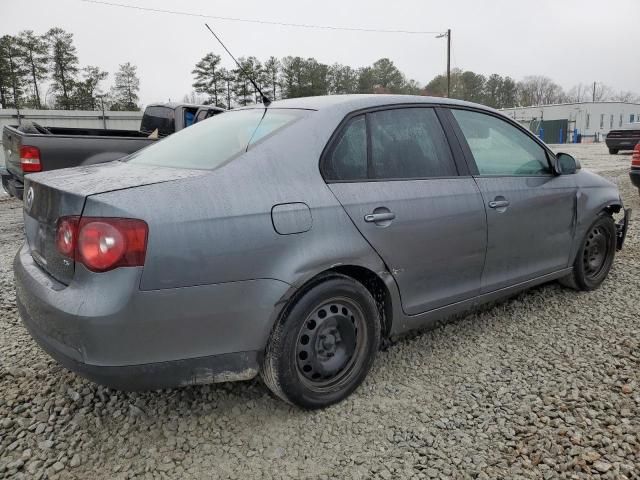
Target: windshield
[208,145]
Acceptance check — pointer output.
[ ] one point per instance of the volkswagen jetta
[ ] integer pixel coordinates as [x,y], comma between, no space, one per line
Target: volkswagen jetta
[292,240]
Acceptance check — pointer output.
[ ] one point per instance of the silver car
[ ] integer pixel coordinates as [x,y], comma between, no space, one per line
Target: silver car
[293,240]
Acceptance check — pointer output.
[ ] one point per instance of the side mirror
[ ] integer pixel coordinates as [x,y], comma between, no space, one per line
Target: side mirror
[566,164]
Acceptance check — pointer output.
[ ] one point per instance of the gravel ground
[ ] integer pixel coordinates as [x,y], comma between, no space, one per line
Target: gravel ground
[545,385]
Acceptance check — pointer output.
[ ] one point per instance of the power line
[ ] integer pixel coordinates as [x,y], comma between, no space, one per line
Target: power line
[262,22]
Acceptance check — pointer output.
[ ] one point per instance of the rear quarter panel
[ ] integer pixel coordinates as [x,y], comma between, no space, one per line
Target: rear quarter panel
[218,227]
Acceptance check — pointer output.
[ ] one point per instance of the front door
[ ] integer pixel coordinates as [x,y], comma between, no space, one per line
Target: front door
[394,173]
[530,210]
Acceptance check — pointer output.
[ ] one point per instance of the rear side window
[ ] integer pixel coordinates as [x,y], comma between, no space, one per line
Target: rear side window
[348,158]
[211,144]
[499,148]
[409,143]
[402,143]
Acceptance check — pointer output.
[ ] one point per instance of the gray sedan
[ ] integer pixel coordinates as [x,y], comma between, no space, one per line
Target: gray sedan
[292,240]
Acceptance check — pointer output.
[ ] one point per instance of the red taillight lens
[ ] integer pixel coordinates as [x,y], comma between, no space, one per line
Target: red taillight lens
[67,235]
[102,244]
[635,158]
[30,159]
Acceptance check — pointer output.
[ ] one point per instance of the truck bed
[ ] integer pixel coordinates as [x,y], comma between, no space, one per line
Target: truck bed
[66,147]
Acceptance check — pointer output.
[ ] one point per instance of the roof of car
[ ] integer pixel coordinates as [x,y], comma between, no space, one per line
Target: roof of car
[354,102]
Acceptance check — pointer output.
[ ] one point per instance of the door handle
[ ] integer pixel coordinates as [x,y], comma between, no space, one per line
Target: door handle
[379,217]
[498,203]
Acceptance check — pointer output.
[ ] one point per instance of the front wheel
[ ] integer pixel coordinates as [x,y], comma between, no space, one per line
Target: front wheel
[595,257]
[324,343]
[613,151]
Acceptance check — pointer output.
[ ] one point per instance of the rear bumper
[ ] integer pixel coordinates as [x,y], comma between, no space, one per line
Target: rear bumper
[634,175]
[107,330]
[11,184]
[621,143]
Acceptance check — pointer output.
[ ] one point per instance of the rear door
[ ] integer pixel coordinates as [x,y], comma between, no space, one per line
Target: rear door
[530,210]
[395,174]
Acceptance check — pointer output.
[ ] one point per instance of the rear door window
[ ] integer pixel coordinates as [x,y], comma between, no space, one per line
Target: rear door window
[409,143]
[499,148]
[211,144]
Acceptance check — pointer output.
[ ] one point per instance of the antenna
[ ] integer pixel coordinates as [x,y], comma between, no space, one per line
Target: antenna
[266,101]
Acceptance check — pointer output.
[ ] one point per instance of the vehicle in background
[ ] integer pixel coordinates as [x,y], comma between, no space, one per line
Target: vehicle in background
[625,138]
[207,112]
[293,239]
[31,147]
[634,173]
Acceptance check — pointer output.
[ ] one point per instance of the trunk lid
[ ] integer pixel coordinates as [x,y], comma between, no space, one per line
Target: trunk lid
[51,195]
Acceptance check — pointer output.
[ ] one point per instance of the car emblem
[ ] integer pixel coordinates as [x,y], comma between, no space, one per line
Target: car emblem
[28,201]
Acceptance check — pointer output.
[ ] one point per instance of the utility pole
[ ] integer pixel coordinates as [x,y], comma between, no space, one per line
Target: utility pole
[449,63]
[448,35]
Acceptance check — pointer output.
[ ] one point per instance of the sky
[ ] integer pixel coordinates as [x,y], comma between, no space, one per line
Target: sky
[570,41]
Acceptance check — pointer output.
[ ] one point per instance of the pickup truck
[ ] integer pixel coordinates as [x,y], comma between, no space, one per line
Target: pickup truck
[623,139]
[31,147]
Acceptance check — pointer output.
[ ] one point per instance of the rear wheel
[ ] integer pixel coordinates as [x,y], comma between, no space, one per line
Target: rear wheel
[595,257]
[324,345]
[613,151]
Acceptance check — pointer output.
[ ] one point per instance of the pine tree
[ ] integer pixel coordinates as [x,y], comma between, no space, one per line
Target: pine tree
[64,65]
[227,77]
[126,88]
[270,77]
[208,78]
[35,55]
[88,91]
[13,71]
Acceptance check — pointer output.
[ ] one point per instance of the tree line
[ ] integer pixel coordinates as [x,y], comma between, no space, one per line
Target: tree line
[292,77]
[29,62]
[300,77]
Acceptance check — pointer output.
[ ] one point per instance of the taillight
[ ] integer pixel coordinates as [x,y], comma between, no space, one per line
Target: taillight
[635,158]
[66,235]
[102,244]
[30,159]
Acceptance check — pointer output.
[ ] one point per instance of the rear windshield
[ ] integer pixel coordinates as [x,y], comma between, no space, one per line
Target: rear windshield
[208,145]
[162,118]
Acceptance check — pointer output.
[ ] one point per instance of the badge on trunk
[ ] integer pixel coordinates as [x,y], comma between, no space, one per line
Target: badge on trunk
[28,201]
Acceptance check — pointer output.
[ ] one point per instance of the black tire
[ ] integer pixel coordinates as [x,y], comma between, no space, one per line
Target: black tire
[595,256]
[315,359]
[613,151]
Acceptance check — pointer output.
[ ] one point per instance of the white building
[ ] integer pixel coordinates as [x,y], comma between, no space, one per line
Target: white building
[592,120]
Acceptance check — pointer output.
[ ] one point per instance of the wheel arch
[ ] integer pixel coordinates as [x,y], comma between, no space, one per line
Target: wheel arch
[380,285]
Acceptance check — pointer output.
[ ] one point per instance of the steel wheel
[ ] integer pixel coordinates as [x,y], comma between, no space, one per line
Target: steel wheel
[324,342]
[330,343]
[596,252]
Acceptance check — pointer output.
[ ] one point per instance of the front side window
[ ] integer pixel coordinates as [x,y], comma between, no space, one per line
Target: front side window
[499,148]
[211,144]
[409,143]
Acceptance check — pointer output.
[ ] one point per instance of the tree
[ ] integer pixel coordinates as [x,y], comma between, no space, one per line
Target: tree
[126,88]
[64,65]
[342,79]
[14,72]
[539,90]
[387,76]
[366,80]
[87,92]
[270,77]
[601,92]
[227,77]
[35,55]
[508,95]
[208,78]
